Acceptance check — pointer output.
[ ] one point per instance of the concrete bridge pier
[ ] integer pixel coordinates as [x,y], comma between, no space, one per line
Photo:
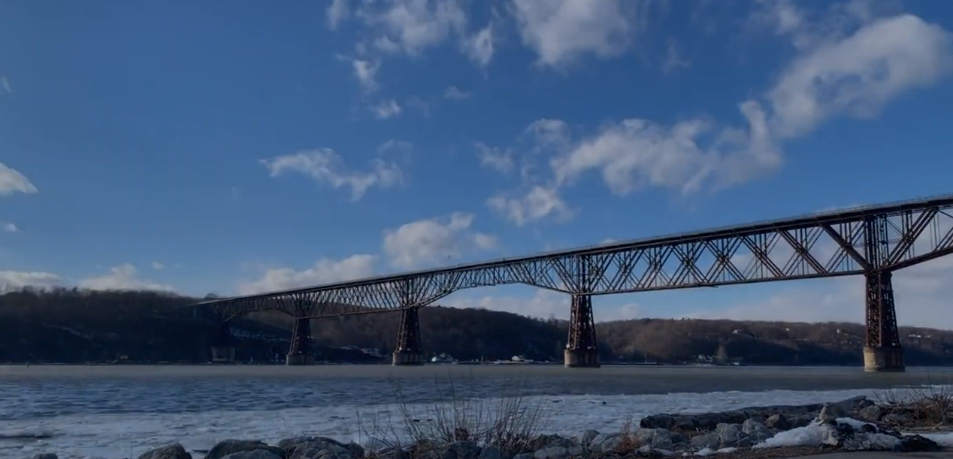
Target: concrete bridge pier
[408,350]
[882,350]
[222,351]
[300,352]
[582,350]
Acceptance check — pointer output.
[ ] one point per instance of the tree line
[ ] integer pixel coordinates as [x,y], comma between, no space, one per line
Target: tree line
[73,325]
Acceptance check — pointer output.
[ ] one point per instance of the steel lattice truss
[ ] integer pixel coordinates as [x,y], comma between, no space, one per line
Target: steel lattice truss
[821,245]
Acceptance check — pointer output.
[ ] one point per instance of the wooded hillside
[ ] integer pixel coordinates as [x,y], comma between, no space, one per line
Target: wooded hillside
[81,326]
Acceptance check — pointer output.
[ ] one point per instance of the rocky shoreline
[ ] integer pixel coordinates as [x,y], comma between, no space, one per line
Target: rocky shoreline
[855,424]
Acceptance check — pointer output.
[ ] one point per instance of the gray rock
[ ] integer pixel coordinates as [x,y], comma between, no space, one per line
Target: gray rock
[319,448]
[830,412]
[175,451]
[731,436]
[490,452]
[586,437]
[656,438]
[253,454]
[777,421]
[227,447]
[709,440]
[547,441]
[553,452]
[756,431]
[523,456]
[461,450]
[606,442]
[45,456]
[917,443]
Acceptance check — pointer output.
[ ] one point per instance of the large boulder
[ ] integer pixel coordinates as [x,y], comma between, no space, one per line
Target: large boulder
[314,447]
[175,451]
[229,447]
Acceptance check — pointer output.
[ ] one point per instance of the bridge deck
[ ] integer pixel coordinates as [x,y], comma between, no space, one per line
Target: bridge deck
[780,226]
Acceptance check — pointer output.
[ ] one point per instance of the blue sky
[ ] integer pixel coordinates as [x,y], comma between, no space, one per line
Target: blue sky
[187,146]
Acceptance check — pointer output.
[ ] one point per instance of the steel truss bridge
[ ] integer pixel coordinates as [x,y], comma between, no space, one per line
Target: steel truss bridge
[873,240]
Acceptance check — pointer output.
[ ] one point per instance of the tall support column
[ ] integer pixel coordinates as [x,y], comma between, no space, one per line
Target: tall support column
[581,348]
[882,350]
[300,352]
[222,350]
[408,350]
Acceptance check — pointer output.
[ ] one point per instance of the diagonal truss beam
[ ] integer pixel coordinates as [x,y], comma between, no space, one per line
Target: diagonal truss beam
[822,245]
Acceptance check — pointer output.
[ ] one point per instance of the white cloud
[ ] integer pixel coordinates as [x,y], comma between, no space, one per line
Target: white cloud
[674,59]
[157,266]
[540,202]
[844,66]
[327,167]
[15,280]
[560,31]
[366,74]
[12,181]
[859,74]
[386,109]
[5,84]
[434,240]
[412,26]
[479,47]
[9,227]
[324,271]
[122,277]
[637,153]
[549,134]
[493,158]
[337,12]
[454,93]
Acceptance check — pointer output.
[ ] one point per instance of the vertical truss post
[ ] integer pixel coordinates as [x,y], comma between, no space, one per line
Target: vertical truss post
[222,349]
[300,352]
[408,350]
[582,350]
[882,350]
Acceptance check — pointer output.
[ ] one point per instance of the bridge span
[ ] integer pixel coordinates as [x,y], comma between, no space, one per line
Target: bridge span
[873,241]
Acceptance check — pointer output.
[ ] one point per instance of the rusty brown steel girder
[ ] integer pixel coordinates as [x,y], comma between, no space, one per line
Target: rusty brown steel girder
[821,245]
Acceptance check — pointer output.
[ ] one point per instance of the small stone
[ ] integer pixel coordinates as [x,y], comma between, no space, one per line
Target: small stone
[175,451]
[777,422]
[45,456]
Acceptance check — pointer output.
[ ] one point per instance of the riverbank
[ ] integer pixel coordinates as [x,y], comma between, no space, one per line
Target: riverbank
[912,420]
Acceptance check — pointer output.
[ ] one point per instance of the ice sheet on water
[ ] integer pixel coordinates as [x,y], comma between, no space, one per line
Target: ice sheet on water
[119,435]
[943,439]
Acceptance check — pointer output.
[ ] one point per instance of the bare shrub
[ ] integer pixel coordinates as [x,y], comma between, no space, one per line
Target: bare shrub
[506,421]
[628,441]
[931,405]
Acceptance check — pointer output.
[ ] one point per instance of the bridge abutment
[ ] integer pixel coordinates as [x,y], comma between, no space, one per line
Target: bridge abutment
[408,350]
[582,350]
[882,350]
[300,352]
